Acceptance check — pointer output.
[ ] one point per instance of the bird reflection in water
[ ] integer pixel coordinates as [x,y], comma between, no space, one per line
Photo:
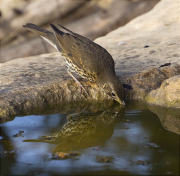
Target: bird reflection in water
[83,130]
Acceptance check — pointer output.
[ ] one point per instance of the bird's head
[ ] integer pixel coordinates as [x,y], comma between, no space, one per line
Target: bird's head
[114,89]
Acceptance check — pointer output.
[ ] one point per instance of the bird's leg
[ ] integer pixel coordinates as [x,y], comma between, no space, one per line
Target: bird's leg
[76,113]
[80,85]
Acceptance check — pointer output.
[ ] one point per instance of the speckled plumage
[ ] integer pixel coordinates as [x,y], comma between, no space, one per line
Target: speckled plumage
[84,57]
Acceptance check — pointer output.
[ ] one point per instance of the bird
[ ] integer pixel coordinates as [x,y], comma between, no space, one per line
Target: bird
[84,57]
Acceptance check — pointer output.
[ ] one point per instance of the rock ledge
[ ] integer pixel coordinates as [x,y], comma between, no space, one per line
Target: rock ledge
[139,49]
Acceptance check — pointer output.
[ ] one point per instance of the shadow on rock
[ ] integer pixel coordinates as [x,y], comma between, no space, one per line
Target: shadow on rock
[83,130]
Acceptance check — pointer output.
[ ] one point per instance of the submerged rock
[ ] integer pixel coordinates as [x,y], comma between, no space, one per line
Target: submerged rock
[62,155]
[169,117]
[104,159]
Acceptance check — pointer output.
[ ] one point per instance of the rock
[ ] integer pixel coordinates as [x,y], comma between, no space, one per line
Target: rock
[88,18]
[143,45]
[63,155]
[19,134]
[38,81]
[150,29]
[104,159]
[40,12]
[149,80]
[143,163]
[168,94]
[41,81]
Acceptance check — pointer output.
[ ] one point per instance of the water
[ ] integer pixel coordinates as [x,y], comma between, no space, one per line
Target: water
[96,140]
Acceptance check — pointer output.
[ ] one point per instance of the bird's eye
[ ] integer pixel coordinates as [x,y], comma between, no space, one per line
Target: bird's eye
[113,94]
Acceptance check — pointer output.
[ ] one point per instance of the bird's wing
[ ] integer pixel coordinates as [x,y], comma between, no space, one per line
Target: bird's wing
[95,46]
[82,54]
[76,35]
[47,35]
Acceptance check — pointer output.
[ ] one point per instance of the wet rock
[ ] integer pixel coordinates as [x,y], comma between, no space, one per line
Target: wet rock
[143,163]
[168,94]
[19,134]
[104,159]
[62,155]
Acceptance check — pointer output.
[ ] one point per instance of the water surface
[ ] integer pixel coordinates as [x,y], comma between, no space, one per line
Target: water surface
[108,141]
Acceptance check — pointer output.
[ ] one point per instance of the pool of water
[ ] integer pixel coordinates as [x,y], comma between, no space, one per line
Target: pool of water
[136,140]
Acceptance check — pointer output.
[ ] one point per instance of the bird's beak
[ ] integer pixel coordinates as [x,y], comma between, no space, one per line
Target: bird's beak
[121,103]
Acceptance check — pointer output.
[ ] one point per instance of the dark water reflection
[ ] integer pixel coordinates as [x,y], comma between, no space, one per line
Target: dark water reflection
[100,140]
[170,118]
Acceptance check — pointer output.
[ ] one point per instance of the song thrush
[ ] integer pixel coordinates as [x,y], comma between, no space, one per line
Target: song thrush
[85,58]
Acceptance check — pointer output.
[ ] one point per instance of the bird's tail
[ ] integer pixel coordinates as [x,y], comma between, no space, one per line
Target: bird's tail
[47,35]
